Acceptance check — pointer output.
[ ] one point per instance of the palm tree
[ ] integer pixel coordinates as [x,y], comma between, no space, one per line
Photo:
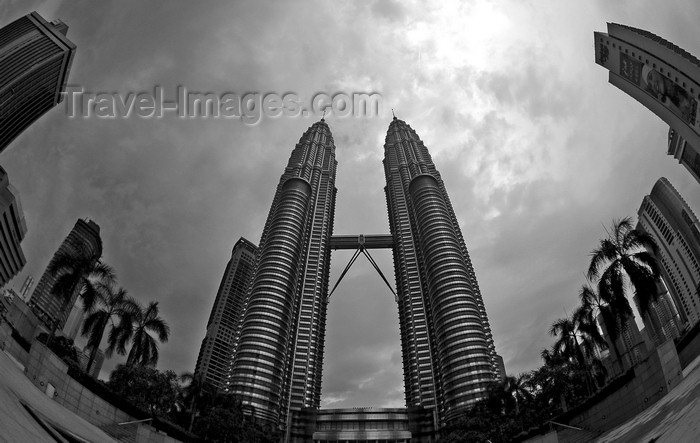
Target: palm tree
[112,303]
[144,348]
[590,341]
[579,340]
[597,303]
[623,258]
[77,271]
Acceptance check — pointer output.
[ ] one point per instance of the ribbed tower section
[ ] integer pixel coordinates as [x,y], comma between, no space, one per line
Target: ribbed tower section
[278,363]
[448,351]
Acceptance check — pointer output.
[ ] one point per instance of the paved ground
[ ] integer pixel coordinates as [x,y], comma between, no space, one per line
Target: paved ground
[673,419]
[16,425]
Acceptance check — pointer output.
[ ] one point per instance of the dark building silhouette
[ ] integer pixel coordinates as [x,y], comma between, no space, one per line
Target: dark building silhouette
[12,231]
[216,354]
[35,58]
[53,311]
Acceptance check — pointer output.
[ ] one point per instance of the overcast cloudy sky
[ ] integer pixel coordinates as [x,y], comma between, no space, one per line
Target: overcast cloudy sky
[538,152]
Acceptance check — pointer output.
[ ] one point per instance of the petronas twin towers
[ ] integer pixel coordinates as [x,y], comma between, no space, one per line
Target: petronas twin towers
[448,351]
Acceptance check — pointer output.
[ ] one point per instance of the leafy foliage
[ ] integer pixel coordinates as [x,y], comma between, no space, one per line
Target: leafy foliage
[63,347]
[223,421]
[77,271]
[146,388]
[572,370]
[144,348]
[109,303]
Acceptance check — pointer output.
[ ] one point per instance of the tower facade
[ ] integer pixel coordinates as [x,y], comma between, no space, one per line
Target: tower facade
[12,230]
[687,155]
[667,217]
[662,77]
[279,357]
[85,235]
[448,351]
[216,354]
[35,58]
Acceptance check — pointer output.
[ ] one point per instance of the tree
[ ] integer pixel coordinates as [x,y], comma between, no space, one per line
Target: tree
[597,304]
[579,339]
[623,259]
[146,388]
[144,348]
[224,421]
[196,390]
[63,347]
[77,271]
[109,303]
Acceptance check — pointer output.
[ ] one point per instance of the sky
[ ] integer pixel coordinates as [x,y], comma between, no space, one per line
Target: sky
[538,152]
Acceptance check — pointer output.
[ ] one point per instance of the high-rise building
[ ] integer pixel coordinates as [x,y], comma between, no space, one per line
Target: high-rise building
[448,351]
[662,77]
[84,237]
[35,57]
[666,216]
[74,321]
[216,354]
[629,344]
[12,231]
[279,358]
[661,321]
[687,155]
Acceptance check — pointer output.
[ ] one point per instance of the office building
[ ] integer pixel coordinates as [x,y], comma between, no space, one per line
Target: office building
[662,77]
[661,321]
[12,231]
[74,322]
[216,353]
[83,238]
[448,352]
[629,346]
[279,358]
[35,57]
[666,216]
[687,155]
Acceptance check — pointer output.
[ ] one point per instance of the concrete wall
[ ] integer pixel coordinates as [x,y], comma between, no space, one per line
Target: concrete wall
[690,351]
[653,378]
[50,374]
[10,345]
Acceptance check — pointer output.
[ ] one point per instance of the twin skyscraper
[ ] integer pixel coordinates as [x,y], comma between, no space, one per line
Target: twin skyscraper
[278,336]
